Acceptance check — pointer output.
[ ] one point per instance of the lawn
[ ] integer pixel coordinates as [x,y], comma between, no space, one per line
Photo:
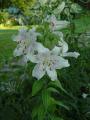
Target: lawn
[7,45]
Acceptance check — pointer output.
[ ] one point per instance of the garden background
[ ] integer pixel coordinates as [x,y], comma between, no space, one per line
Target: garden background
[16,82]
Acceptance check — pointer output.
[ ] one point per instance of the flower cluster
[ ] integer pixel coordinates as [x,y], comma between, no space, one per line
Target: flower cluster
[47,61]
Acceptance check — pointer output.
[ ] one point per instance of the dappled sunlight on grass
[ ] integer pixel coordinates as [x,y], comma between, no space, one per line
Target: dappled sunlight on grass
[2,27]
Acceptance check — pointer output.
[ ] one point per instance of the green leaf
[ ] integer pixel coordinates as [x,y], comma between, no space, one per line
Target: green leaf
[53,117]
[41,113]
[62,105]
[47,99]
[34,112]
[38,112]
[37,86]
[51,89]
[57,84]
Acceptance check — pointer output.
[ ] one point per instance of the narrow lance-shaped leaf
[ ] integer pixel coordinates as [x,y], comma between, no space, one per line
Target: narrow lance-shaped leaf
[47,99]
[37,86]
[58,85]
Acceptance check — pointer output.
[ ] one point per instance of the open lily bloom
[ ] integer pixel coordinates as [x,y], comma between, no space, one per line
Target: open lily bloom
[56,24]
[33,34]
[22,35]
[62,50]
[25,35]
[27,43]
[48,62]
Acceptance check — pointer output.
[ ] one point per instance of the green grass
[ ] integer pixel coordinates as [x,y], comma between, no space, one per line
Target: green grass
[7,45]
[83,23]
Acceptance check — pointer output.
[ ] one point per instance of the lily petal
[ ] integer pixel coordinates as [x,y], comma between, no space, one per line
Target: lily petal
[33,58]
[18,51]
[63,46]
[71,54]
[38,71]
[62,24]
[61,63]
[40,48]
[52,74]
[56,50]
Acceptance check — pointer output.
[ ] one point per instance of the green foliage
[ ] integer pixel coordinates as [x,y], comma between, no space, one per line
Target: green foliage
[4,17]
[37,86]
[23,4]
[4,3]
[22,97]
[7,19]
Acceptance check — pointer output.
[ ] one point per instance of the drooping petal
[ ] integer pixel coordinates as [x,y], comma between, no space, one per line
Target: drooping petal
[40,48]
[18,51]
[56,50]
[71,54]
[52,74]
[61,24]
[61,63]
[38,71]
[33,58]
[63,46]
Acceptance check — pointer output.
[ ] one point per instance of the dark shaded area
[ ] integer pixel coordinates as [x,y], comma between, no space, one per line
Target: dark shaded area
[84,3]
[5,3]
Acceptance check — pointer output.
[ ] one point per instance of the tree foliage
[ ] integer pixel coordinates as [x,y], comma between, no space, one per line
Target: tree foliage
[4,3]
[23,4]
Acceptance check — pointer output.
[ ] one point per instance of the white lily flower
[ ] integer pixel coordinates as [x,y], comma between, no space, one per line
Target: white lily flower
[27,41]
[84,95]
[48,62]
[27,44]
[62,50]
[56,24]
[22,35]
